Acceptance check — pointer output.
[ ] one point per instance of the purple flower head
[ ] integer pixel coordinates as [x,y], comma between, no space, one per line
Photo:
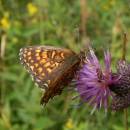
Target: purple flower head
[93,81]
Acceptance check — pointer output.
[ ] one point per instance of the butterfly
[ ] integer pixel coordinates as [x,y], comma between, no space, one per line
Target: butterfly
[51,68]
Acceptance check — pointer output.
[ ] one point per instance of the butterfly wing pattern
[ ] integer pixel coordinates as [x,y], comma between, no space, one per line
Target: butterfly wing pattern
[51,68]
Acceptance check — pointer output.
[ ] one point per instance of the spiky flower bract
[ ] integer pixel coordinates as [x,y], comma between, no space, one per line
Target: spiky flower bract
[93,80]
[121,88]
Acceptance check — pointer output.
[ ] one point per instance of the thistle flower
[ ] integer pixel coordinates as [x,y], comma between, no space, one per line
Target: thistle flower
[121,88]
[93,81]
[120,102]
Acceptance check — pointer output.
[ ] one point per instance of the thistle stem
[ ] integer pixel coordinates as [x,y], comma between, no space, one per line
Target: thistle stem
[124,47]
[124,58]
[126,118]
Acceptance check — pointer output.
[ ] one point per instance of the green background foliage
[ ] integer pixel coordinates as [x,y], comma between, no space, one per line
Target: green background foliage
[56,23]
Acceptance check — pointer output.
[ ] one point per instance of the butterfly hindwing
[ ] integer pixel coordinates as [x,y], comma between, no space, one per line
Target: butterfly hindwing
[48,66]
[61,77]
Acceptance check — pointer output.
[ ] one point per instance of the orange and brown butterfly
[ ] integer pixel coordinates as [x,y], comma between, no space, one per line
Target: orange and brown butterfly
[51,68]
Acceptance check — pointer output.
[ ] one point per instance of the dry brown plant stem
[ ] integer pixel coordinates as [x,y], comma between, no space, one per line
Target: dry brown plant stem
[124,58]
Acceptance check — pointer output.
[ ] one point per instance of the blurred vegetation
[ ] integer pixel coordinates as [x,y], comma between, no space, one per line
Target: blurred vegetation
[64,23]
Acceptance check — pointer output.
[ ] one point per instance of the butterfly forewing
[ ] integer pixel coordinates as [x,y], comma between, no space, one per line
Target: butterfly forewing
[48,66]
